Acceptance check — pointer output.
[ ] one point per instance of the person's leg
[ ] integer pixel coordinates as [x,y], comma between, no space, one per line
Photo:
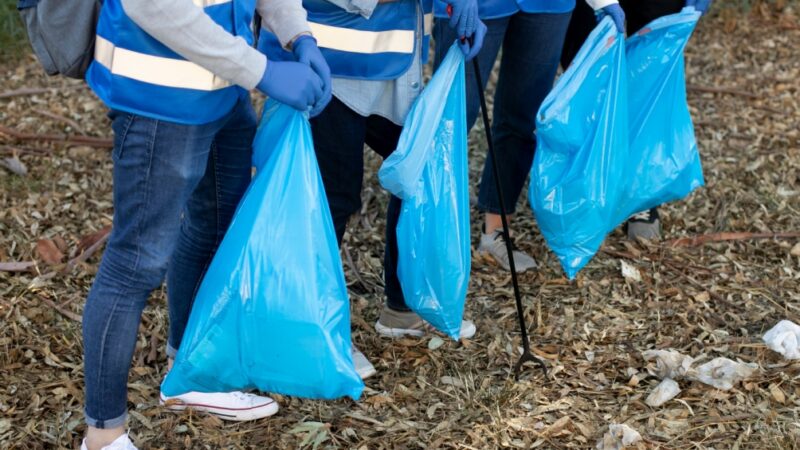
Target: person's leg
[581,24]
[495,33]
[207,215]
[339,134]
[396,319]
[531,52]
[382,136]
[156,166]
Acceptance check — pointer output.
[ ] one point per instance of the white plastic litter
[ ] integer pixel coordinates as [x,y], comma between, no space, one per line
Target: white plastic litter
[722,373]
[784,338]
[664,392]
[669,363]
[618,437]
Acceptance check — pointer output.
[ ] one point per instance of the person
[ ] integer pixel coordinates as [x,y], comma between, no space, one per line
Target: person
[531,34]
[375,49]
[637,14]
[176,76]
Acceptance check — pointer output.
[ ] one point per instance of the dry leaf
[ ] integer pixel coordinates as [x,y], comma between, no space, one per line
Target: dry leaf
[48,252]
[777,393]
[91,239]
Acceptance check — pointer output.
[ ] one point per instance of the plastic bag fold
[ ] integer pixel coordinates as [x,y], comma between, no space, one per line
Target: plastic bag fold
[428,171]
[272,312]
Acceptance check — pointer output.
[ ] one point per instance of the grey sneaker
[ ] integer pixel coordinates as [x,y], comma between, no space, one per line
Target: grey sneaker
[494,245]
[644,225]
[364,368]
[397,324]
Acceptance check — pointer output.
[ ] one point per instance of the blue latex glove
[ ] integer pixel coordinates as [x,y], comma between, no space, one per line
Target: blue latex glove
[464,17]
[700,5]
[471,47]
[616,13]
[292,83]
[306,51]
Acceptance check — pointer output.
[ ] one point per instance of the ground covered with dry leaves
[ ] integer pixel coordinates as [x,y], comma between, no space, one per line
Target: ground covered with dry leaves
[704,298]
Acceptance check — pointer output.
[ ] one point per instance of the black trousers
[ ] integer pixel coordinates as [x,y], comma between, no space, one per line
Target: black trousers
[339,136]
[638,13]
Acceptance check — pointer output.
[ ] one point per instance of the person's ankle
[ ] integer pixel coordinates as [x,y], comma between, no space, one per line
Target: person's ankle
[97,438]
[493,222]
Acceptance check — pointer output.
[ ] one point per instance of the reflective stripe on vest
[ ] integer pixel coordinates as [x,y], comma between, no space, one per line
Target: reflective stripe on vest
[155,69]
[135,73]
[378,48]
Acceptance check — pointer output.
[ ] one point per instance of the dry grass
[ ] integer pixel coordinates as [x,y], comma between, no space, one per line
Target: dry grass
[715,299]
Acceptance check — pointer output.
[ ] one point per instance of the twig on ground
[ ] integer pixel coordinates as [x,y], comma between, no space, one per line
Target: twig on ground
[353,267]
[24,91]
[64,312]
[16,266]
[67,139]
[105,232]
[59,118]
[703,239]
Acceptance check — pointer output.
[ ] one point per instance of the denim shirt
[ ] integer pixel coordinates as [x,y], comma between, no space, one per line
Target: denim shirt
[391,99]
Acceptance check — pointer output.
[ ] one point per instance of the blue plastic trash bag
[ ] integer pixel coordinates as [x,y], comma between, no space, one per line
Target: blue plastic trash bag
[272,312]
[578,174]
[428,171]
[586,181]
[665,164]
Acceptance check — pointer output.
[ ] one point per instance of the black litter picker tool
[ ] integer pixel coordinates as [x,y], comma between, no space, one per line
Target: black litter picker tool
[526,356]
[523,328]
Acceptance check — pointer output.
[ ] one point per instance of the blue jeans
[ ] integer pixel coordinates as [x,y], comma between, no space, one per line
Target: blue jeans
[531,46]
[339,136]
[176,188]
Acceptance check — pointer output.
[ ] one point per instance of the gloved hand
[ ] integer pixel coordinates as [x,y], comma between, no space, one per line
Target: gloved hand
[464,17]
[471,47]
[700,5]
[292,83]
[616,13]
[306,51]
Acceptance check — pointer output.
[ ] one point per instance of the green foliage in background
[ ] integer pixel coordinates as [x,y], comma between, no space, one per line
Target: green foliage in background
[13,42]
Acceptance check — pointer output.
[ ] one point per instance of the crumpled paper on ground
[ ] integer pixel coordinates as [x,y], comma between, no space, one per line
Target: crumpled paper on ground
[618,437]
[722,373]
[664,392]
[669,363]
[784,338]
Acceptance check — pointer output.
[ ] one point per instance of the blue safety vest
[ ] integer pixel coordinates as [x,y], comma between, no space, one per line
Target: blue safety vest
[134,72]
[494,9]
[379,48]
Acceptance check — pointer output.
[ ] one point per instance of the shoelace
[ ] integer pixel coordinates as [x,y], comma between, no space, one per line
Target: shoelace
[498,235]
[243,396]
[643,216]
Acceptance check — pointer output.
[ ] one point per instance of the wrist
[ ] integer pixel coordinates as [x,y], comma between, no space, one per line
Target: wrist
[300,39]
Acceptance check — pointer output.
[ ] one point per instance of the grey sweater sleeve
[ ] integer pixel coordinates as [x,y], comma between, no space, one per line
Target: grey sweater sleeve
[188,31]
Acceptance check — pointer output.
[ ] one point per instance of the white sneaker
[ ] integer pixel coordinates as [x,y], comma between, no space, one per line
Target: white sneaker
[235,406]
[396,324]
[494,245]
[121,443]
[364,368]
